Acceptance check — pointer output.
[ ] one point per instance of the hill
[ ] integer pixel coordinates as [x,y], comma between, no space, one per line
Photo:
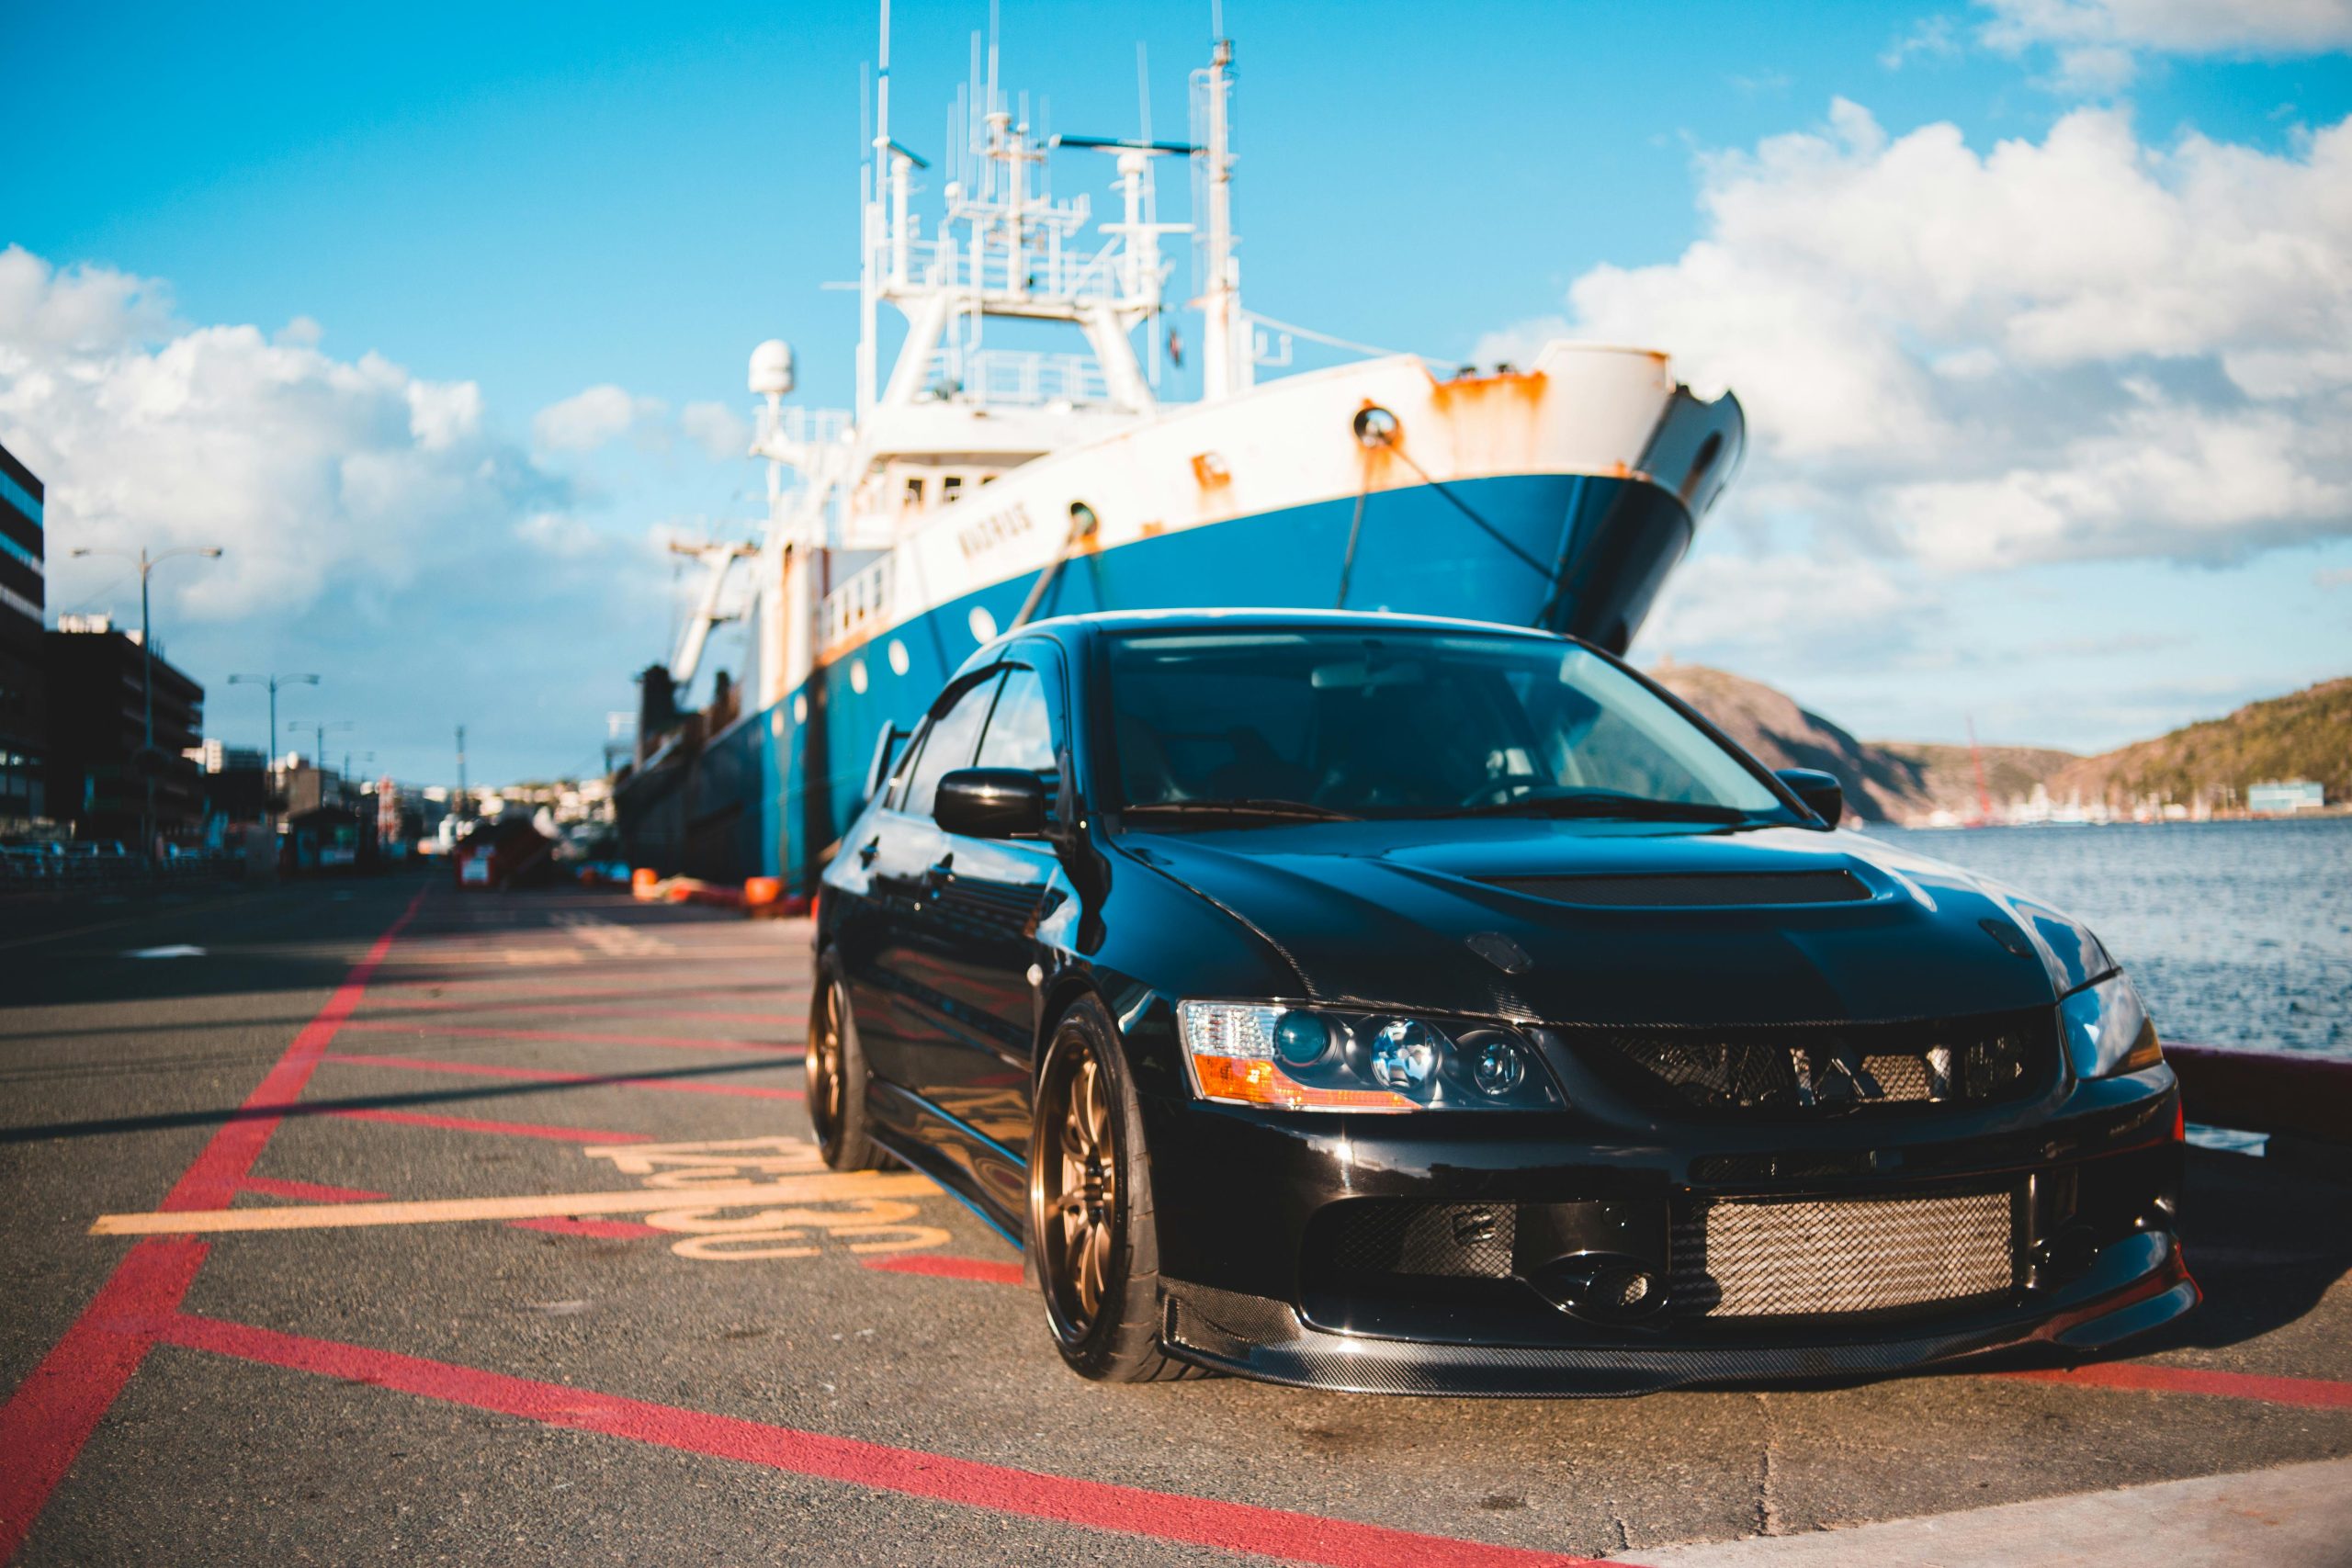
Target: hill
[2304,735]
[1881,784]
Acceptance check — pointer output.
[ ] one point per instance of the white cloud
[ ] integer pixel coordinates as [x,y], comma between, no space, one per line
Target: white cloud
[2080,347]
[312,473]
[597,416]
[1785,610]
[721,433]
[1932,38]
[2097,42]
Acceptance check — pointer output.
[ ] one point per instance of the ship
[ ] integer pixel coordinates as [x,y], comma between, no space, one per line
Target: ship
[1019,461]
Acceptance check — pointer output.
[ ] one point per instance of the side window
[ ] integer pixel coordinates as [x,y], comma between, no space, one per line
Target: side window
[953,737]
[1020,732]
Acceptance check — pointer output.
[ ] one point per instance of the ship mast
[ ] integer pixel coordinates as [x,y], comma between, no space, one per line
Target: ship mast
[1226,360]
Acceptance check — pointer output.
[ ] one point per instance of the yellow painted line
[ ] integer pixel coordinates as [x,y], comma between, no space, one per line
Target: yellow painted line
[828,1187]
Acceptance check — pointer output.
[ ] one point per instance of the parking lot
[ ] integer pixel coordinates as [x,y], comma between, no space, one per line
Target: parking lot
[382,1221]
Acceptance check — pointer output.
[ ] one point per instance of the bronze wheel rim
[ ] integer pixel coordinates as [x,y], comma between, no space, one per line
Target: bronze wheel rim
[824,1069]
[1078,1210]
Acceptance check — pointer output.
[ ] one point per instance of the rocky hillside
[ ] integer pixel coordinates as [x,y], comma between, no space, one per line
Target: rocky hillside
[2306,735]
[1881,784]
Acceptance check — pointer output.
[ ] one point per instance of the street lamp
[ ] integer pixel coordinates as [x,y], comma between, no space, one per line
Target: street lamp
[273,683]
[146,564]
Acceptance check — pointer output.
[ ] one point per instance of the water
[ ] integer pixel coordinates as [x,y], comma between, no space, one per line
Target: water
[2237,934]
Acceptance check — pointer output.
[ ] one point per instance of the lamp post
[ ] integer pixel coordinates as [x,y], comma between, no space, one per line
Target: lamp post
[273,683]
[147,564]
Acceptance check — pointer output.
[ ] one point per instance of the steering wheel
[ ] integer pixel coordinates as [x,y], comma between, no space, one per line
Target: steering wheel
[1502,788]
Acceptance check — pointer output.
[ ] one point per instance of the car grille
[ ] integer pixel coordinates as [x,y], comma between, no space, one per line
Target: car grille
[1450,1240]
[1785,1258]
[1814,1069]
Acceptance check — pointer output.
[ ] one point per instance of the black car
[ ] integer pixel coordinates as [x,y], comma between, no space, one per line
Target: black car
[1391,1004]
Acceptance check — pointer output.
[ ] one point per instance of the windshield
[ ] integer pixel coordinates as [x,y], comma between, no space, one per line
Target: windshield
[1330,723]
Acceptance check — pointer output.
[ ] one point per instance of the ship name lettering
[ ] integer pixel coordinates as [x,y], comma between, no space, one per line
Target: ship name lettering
[993,530]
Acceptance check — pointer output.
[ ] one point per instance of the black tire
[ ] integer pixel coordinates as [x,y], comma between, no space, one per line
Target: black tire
[836,1074]
[1092,1237]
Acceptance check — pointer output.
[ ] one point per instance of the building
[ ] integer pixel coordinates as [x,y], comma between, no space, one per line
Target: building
[99,766]
[23,692]
[2284,797]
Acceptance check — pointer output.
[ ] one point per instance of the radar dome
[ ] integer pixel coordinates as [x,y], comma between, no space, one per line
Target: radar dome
[772,368]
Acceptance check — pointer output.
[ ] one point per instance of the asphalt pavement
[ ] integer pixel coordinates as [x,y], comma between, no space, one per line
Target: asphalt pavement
[377,1221]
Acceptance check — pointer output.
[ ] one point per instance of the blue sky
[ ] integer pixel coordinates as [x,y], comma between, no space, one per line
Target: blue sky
[537,200]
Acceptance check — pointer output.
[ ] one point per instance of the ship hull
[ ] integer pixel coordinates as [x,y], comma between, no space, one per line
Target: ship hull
[1578,553]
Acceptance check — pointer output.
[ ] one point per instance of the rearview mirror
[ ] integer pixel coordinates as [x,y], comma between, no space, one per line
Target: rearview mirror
[990,803]
[1822,794]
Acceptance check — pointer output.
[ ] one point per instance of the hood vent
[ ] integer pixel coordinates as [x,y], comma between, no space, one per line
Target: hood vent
[1713,891]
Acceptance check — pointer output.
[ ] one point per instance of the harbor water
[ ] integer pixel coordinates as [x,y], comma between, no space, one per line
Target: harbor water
[2237,934]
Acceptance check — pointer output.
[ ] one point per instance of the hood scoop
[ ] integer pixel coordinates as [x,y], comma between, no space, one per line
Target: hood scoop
[1717,890]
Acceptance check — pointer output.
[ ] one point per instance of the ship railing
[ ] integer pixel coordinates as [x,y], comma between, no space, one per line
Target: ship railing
[1051,272]
[1020,378]
[858,604]
[802,426]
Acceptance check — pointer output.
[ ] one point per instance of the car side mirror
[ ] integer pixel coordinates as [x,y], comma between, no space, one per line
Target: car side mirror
[1822,794]
[990,803]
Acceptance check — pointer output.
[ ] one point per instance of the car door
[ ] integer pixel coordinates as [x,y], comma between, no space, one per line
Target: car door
[983,919]
[906,858]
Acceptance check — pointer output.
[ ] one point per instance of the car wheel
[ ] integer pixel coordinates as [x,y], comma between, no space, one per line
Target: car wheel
[1092,1236]
[836,1069]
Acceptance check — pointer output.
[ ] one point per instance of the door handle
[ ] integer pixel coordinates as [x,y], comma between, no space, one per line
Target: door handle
[865,855]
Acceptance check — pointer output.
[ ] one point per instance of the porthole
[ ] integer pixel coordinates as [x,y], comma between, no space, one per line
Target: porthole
[898,656]
[857,676]
[983,624]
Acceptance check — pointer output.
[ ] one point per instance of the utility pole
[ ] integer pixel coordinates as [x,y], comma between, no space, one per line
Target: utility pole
[319,755]
[461,772]
[273,683]
[149,764]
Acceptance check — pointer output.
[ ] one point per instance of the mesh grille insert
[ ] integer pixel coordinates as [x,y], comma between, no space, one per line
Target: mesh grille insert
[1813,1069]
[1744,1258]
[1454,1240]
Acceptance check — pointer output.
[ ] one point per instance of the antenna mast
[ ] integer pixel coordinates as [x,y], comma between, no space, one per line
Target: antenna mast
[1224,357]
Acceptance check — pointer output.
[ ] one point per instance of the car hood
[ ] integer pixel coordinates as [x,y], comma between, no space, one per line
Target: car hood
[1405,915]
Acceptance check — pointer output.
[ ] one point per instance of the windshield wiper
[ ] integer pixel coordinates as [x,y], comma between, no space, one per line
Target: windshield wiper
[1606,803]
[1303,810]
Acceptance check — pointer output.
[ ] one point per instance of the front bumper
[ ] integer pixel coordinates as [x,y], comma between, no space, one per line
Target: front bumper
[1247,1203]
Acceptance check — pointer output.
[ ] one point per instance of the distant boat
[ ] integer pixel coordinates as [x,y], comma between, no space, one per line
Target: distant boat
[978,486]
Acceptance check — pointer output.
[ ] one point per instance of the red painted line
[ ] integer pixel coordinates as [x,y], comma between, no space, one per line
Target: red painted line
[937,1267]
[309,1192]
[617,1228]
[229,1158]
[548,1074]
[52,1413]
[481,1032]
[508,1129]
[1094,1504]
[2147,1377]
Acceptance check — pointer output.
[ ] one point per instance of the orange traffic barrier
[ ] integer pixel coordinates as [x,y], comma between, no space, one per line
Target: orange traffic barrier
[643,881]
[760,891]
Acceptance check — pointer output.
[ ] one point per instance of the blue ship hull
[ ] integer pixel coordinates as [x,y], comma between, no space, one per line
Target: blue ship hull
[1583,554]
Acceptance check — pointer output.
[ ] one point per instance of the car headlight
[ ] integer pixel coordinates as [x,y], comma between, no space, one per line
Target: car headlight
[2108,1030]
[1317,1059]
